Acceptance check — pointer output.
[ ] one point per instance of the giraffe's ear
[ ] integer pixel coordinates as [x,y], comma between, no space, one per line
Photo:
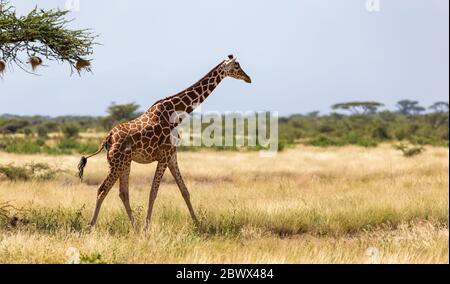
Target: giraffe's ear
[230,56]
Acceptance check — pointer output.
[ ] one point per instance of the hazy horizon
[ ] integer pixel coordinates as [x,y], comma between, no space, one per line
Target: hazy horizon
[302,56]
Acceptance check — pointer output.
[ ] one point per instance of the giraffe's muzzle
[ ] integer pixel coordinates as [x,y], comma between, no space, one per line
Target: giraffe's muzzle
[245,77]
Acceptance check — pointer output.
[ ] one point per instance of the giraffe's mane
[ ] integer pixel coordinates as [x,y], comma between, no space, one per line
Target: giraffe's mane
[179,93]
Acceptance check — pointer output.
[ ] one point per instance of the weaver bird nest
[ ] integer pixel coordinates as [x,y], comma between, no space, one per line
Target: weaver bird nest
[2,67]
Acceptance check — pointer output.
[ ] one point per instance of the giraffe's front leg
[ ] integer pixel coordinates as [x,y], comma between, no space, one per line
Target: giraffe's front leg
[175,170]
[160,169]
[125,195]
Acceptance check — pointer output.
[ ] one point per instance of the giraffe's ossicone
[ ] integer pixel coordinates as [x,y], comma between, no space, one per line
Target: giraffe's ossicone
[148,138]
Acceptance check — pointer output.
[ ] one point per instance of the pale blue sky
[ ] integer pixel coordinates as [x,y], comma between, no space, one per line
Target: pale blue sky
[302,55]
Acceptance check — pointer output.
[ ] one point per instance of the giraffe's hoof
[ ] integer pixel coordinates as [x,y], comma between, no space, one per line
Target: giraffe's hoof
[135,229]
[90,228]
[196,223]
[145,231]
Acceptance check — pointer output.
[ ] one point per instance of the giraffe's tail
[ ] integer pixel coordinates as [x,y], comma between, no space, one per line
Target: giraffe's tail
[81,166]
[83,160]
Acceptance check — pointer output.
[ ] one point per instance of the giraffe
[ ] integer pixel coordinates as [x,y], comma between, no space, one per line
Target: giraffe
[147,139]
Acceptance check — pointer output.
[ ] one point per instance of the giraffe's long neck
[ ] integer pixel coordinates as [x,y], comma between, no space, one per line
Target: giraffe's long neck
[189,99]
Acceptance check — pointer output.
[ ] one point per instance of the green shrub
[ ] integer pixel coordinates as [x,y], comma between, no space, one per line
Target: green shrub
[42,132]
[380,131]
[68,146]
[409,151]
[28,131]
[14,173]
[95,258]
[86,148]
[40,142]
[428,141]
[367,142]
[70,131]
[36,171]
[22,146]
[50,220]
[325,141]
[400,134]
[35,146]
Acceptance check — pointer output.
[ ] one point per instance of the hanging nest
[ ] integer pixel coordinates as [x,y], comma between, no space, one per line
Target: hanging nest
[34,61]
[83,64]
[2,67]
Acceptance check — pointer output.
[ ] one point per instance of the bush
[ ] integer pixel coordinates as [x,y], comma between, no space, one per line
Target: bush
[401,133]
[36,171]
[69,145]
[95,258]
[380,131]
[50,220]
[70,131]
[21,146]
[427,141]
[28,131]
[409,151]
[42,132]
[38,146]
[14,173]
[14,125]
[367,142]
[326,128]
[324,141]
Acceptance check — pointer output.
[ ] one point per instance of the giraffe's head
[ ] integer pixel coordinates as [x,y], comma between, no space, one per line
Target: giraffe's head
[234,70]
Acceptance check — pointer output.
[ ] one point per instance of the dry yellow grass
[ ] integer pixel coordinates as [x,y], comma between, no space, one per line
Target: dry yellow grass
[305,205]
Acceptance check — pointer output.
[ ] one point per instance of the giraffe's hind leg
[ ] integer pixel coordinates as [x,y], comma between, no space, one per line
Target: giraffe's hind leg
[124,193]
[175,170]
[119,158]
[102,191]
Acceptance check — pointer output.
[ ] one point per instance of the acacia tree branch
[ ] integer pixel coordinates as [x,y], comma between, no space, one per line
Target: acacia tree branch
[42,33]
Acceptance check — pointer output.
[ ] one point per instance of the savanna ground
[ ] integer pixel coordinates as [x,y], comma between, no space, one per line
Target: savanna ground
[305,205]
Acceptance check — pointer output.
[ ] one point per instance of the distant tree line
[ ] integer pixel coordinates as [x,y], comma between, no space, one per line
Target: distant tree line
[42,125]
[359,123]
[363,123]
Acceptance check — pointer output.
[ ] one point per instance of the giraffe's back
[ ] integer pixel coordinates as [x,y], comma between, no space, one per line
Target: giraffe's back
[143,136]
